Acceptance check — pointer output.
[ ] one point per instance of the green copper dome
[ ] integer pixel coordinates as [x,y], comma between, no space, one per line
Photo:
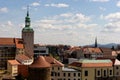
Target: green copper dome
[27,24]
[26,29]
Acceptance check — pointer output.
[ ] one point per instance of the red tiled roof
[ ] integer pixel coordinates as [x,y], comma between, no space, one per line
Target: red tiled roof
[95,50]
[96,64]
[7,41]
[92,50]
[53,61]
[40,62]
[76,64]
[79,64]
[13,62]
[107,51]
[21,57]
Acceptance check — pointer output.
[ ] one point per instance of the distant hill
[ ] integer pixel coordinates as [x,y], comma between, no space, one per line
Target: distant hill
[105,45]
[108,45]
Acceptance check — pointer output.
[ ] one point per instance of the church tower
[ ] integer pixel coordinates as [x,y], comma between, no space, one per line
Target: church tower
[96,45]
[28,36]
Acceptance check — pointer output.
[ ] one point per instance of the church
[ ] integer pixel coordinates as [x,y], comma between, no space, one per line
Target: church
[20,49]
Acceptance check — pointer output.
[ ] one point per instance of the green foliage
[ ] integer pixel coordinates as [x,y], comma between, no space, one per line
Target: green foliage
[55,56]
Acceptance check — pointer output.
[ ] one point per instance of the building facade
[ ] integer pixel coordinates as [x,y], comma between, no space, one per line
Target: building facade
[40,50]
[12,67]
[94,69]
[7,51]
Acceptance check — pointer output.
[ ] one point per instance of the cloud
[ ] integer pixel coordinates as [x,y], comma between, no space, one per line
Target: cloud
[9,29]
[9,23]
[65,21]
[35,4]
[113,22]
[4,10]
[112,27]
[113,17]
[118,4]
[59,5]
[99,0]
[102,8]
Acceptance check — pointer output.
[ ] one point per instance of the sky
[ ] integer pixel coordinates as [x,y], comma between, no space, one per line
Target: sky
[69,22]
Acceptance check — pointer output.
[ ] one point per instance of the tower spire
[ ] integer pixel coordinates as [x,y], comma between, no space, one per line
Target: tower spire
[27,18]
[96,45]
[28,10]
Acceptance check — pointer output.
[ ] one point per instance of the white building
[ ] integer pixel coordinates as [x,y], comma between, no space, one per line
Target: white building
[40,50]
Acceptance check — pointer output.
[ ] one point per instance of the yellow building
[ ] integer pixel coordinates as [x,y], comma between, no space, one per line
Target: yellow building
[12,67]
[94,69]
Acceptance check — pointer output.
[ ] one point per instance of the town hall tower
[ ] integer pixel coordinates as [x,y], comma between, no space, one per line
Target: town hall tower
[28,37]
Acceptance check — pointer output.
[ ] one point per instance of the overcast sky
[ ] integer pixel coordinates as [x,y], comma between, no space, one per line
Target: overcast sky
[72,22]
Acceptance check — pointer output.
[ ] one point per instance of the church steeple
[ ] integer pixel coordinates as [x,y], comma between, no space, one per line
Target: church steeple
[27,22]
[96,45]
[27,10]
[27,18]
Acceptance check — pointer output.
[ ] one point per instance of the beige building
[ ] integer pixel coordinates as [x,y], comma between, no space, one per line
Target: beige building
[12,67]
[94,69]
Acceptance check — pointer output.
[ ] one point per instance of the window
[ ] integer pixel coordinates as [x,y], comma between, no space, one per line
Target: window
[78,74]
[68,74]
[36,51]
[104,72]
[58,74]
[86,73]
[74,74]
[52,68]
[117,73]
[52,73]
[58,68]
[98,73]
[42,51]
[117,67]
[110,72]
[55,74]
[64,74]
